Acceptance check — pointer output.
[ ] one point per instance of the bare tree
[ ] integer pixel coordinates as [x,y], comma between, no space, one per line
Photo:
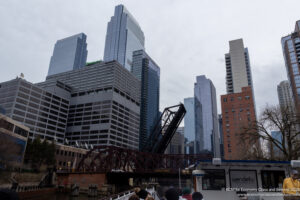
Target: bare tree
[276,118]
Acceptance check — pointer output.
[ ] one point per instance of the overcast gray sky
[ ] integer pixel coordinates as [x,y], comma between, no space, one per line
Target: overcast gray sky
[185,37]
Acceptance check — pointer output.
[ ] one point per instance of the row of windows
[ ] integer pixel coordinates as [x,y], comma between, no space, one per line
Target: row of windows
[39,91]
[239,98]
[68,153]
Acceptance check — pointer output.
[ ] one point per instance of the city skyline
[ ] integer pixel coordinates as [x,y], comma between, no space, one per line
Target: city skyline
[266,55]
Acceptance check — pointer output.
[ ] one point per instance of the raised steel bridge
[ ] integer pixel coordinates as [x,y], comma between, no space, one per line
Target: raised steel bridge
[151,158]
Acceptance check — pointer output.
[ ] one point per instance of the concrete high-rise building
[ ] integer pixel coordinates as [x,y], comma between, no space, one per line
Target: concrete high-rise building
[238,71]
[95,105]
[285,96]
[193,128]
[238,106]
[44,113]
[104,104]
[291,53]
[68,54]
[123,37]
[148,72]
[205,92]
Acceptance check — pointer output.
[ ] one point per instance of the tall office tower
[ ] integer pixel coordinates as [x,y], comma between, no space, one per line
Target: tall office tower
[285,96]
[238,71]
[68,54]
[104,104]
[44,112]
[148,72]
[238,105]
[123,37]
[205,92]
[291,53]
[193,127]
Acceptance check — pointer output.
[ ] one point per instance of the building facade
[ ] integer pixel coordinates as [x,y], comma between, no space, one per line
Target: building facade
[237,112]
[285,96]
[291,53]
[176,145]
[205,92]
[148,72]
[68,54]
[2,110]
[95,105]
[13,141]
[275,152]
[238,106]
[44,112]
[193,127]
[123,37]
[238,71]
[104,104]
[220,120]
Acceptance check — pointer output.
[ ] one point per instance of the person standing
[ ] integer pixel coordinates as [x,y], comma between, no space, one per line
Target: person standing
[291,186]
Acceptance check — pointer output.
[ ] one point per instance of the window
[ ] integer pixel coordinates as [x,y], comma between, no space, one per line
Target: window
[6,125]
[213,179]
[272,179]
[224,99]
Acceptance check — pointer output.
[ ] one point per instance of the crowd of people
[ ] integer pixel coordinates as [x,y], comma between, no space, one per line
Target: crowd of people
[170,194]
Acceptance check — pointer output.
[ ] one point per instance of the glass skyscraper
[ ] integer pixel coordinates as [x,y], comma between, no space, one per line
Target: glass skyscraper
[291,53]
[69,53]
[148,72]
[205,92]
[193,127]
[123,36]
[285,96]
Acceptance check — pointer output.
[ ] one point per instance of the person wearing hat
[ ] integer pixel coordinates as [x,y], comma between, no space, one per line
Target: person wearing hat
[291,187]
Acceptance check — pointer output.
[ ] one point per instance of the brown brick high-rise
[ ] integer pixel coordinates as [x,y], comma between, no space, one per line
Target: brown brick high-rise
[238,110]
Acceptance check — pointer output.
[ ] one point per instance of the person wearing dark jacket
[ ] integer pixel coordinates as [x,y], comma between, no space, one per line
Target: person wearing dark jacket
[172,194]
[141,193]
[197,196]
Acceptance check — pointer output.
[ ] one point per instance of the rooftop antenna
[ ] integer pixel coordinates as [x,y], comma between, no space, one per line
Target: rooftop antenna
[22,76]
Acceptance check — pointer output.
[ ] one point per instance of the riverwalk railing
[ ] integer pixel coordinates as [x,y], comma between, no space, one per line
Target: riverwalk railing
[125,195]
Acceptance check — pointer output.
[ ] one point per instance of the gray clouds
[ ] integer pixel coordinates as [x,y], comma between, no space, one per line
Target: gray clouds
[186,38]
